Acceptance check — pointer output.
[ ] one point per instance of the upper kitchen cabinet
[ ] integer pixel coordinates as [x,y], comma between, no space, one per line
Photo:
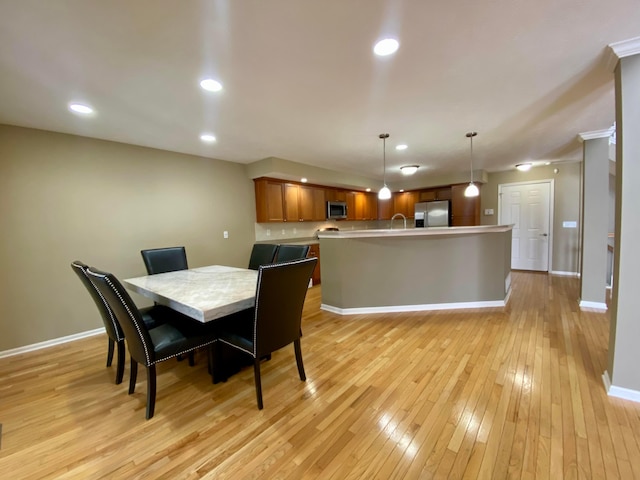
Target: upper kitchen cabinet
[465,211]
[404,203]
[370,206]
[303,203]
[432,194]
[361,206]
[269,200]
[335,195]
[385,209]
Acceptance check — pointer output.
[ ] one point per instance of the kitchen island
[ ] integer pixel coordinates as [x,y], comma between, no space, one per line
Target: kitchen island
[369,271]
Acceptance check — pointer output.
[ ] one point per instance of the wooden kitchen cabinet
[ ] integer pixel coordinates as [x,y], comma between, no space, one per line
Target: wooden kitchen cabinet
[370,206]
[362,206]
[465,211]
[269,200]
[314,251]
[404,203]
[432,194]
[385,209]
[303,203]
[335,195]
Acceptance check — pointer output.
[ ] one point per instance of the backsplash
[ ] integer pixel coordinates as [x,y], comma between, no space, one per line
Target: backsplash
[290,230]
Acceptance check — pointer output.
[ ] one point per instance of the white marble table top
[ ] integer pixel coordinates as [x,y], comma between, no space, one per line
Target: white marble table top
[204,293]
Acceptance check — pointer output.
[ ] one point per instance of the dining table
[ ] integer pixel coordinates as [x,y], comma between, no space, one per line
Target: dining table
[204,293]
[209,295]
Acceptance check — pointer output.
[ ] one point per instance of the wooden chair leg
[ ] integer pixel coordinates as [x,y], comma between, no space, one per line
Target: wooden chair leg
[256,374]
[110,353]
[121,359]
[151,391]
[296,346]
[133,376]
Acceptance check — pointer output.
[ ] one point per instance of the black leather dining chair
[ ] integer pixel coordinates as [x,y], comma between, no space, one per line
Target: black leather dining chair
[275,320]
[291,252]
[262,254]
[152,317]
[161,260]
[178,336]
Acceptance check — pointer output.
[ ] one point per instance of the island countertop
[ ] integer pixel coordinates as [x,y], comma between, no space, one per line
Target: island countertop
[410,232]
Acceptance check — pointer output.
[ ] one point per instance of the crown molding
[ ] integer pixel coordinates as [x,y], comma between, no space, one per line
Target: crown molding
[595,134]
[622,49]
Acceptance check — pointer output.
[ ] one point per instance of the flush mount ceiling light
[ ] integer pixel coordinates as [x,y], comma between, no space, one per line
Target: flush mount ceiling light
[386,47]
[524,167]
[80,108]
[409,169]
[207,137]
[303,179]
[471,190]
[211,85]
[401,147]
[384,193]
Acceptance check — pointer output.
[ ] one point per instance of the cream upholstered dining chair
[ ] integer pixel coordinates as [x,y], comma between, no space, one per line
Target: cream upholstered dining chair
[275,320]
[149,346]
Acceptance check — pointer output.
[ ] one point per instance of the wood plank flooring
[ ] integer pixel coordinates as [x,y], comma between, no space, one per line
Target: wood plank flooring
[488,393]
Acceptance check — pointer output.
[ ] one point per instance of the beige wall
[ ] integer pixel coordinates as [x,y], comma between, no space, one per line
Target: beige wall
[566,241]
[64,197]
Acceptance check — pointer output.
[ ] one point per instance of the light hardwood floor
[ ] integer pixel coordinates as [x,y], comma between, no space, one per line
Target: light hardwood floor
[487,393]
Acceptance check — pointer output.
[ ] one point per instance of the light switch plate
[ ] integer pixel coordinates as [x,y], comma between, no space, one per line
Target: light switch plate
[569,224]
[488,211]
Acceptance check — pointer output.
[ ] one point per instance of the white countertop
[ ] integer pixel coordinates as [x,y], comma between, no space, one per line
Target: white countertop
[412,232]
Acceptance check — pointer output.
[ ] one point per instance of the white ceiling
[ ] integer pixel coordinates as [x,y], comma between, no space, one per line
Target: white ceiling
[301,82]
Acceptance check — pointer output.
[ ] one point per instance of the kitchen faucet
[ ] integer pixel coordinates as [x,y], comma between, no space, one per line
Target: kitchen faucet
[404,219]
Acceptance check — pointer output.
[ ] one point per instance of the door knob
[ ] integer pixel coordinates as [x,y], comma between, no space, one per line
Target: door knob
[544,234]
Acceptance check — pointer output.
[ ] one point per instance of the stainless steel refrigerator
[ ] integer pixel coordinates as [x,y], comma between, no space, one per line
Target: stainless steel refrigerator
[432,214]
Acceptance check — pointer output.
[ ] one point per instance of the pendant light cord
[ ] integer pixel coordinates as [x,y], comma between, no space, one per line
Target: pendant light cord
[471,135]
[384,137]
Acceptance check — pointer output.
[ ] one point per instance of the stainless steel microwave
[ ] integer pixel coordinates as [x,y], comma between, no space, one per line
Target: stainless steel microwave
[336,210]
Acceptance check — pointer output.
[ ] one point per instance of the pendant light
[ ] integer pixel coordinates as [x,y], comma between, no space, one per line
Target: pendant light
[384,193]
[471,190]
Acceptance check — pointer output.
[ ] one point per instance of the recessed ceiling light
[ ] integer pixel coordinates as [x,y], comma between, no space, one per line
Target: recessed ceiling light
[401,147]
[303,179]
[80,108]
[386,47]
[207,137]
[524,167]
[368,189]
[401,190]
[211,85]
[409,169]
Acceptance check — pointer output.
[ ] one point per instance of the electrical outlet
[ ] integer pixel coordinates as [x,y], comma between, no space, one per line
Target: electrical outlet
[295,231]
[283,231]
[488,211]
[268,232]
[225,234]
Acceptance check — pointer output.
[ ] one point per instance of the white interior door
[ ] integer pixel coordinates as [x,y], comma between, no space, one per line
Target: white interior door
[526,206]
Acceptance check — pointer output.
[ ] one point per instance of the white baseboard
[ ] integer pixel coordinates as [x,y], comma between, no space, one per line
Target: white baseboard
[594,305]
[619,392]
[414,308]
[51,343]
[565,274]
